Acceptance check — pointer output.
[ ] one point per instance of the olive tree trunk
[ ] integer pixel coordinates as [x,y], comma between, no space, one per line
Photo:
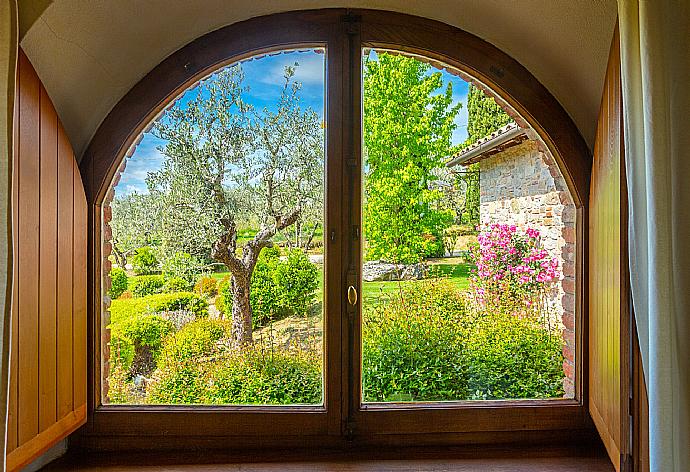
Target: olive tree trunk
[241,310]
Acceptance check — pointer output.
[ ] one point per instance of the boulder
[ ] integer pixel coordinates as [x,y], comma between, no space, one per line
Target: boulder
[378,271]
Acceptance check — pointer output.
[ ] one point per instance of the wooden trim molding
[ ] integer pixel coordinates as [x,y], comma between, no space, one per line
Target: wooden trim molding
[344,33]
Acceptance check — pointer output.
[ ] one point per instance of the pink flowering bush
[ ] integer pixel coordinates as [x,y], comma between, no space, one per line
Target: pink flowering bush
[513,271]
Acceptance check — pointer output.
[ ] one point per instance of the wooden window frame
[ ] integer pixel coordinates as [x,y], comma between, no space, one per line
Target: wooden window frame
[342,419]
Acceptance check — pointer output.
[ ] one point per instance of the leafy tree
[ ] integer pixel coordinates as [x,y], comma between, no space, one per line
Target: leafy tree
[484,116]
[227,162]
[409,119]
[145,261]
[135,224]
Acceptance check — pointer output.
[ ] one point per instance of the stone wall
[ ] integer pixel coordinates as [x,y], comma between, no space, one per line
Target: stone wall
[523,186]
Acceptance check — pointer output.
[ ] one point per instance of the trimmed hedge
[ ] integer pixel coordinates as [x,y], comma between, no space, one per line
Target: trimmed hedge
[138,330]
[175,284]
[144,285]
[127,308]
[118,282]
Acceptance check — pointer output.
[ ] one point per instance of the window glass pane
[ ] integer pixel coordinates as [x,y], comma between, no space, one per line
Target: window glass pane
[215,295]
[468,263]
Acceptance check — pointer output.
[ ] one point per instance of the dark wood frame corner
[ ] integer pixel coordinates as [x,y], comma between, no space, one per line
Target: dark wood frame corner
[340,421]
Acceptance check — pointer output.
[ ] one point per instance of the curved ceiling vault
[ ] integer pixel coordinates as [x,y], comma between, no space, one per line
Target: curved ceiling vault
[89,54]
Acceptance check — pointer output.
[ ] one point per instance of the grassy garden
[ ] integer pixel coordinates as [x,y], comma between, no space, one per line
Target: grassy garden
[423,340]
[216,290]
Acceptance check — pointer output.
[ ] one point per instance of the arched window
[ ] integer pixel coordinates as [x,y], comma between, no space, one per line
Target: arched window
[345,225]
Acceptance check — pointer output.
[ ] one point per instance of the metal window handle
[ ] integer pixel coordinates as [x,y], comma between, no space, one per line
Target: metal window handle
[352,295]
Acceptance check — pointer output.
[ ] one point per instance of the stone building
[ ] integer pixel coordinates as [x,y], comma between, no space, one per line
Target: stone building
[520,184]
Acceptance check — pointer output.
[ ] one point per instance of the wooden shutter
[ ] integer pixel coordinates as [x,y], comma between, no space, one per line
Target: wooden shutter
[608,277]
[47,398]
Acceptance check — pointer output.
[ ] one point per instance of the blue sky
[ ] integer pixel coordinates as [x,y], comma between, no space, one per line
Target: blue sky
[264,77]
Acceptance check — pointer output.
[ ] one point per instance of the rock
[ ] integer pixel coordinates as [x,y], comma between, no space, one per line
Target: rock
[376,271]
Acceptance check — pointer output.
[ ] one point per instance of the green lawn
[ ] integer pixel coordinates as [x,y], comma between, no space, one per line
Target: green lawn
[456,272]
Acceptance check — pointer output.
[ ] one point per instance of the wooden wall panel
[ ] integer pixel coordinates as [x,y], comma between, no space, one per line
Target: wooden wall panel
[607,295]
[64,287]
[47,398]
[47,261]
[27,252]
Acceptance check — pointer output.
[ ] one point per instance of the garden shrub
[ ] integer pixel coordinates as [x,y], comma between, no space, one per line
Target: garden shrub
[196,339]
[143,285]
[413,346]
[182,265]
[206,287]
[267,377]
[118,282]
[252,375]
[121,351]
[297,279]
[141,325]
[279,288]
[175,284]
[511,357]
[145,262]
[179,377]
[224,298]
[121,310]
[266,289]
[147,334]
[426,345]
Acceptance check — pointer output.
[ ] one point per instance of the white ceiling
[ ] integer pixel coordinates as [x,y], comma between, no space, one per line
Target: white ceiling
[90,53]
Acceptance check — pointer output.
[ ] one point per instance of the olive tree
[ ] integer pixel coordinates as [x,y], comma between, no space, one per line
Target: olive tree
[227,162]
[135,224]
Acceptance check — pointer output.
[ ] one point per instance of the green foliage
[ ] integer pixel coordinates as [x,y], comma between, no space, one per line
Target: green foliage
[175,284]
[484,116]
[184,266]
[279,288]
[135,223]
[139,327]
[413,346]
[193,370]
[194,341]
[145,262]
[266,290]
[408,123]
[148,331]
[206,287]
[424,344]
[267,377]
[124,309]
[144,285]
[297,279]
[118,282]
[119,386]
[224,298]
[121,351]
[511,357]
[179,378]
